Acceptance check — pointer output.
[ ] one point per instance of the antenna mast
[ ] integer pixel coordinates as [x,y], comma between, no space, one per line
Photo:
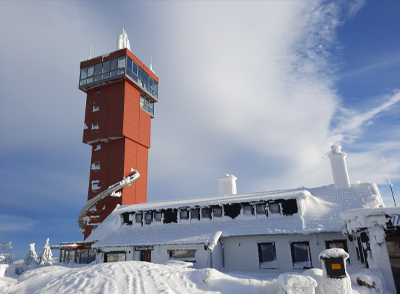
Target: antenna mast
[390,184]
[90,52]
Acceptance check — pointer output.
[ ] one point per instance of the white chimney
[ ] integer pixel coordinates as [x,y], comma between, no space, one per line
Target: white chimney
[339,168]
[122,41]
[227,185]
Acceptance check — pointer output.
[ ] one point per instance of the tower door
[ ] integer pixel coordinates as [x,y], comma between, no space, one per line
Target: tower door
[145,255]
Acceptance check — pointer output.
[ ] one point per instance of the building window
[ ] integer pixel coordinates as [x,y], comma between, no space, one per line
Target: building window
[184,255]
[260,208]
[98,89]
[206,213]
[184,214]
[248,209]
[98,147]
[157,216]
[96,107]
[301,255]
[274,208]
[138,218]
[114,256]
[148,218]
[217,211]
[336,244]
[95,126]
[267,255]
[146,104]
[94,227]
[195,213]
[96,165]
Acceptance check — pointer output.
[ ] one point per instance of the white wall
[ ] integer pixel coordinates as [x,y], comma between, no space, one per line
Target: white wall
[241,253]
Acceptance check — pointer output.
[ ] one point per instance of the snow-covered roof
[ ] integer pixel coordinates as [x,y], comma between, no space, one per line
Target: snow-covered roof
[318,211]
[355,220]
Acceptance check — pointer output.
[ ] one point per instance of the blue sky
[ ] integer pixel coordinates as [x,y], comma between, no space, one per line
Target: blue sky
[258,89]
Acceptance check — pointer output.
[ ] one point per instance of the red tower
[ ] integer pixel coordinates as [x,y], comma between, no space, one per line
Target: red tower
[121,92]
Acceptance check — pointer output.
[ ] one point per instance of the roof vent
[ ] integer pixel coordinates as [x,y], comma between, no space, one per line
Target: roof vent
[122,41]
[227,185]
[339,168]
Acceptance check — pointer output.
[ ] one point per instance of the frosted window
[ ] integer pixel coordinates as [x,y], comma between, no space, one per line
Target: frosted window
[148,218]
[95,126]
[195,213]
[260,208]
[90,71]
[206,213]
[96,108]
[247,209]
[157,216]
[217,211]
[138,218]
[115,257]
[98,147]
[274,208]
[184,214]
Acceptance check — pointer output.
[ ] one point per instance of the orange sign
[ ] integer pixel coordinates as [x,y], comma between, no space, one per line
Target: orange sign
[336,266]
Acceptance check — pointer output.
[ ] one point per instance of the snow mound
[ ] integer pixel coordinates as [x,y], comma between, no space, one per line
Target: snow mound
[133,277]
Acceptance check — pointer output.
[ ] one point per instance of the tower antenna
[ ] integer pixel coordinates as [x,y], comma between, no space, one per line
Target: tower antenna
[90,52]
[390,184]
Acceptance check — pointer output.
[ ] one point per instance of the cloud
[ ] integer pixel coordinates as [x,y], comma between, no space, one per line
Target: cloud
[352,121]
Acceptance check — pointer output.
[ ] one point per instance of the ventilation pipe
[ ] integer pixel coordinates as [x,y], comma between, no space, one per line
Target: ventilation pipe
[339,168]
[227,185]
[122,41]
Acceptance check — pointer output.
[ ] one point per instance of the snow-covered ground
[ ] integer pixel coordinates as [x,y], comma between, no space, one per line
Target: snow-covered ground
[141,277]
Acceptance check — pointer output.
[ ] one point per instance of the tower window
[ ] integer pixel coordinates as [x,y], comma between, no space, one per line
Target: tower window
[95,126]
[96,165]
[96,107]
[97,90]
[98,147]
[95,185]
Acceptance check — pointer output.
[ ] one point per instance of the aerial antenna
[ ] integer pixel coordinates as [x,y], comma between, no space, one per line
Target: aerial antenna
[390,184]
[90,52]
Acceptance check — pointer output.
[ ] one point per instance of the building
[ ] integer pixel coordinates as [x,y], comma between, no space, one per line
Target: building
[121,92]
[377,231]
[275,231]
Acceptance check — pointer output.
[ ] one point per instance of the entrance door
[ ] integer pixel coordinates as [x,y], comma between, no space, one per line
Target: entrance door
[393,248]
[145,255]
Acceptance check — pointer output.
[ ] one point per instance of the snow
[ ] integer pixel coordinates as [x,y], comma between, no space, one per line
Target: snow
[333,253]
[318,211]
[354,220]
[295,283]
[171,277]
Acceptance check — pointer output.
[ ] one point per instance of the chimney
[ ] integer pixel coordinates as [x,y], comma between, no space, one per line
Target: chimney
[339,168]
[227,185]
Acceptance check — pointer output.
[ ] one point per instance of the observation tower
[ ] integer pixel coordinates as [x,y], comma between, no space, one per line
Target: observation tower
[120,96]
